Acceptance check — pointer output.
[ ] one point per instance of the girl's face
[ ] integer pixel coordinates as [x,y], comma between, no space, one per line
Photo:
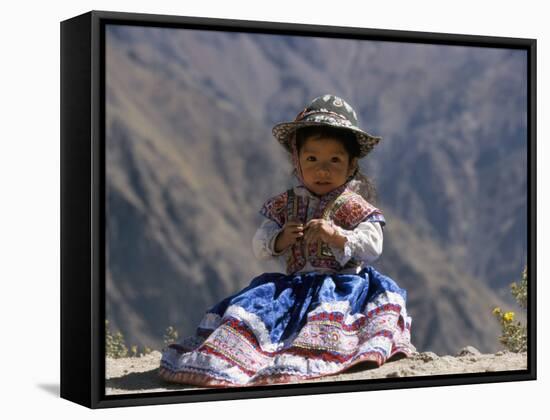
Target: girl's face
[325,164]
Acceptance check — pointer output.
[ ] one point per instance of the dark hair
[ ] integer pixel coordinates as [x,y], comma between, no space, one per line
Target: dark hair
[345,137]
[349,141]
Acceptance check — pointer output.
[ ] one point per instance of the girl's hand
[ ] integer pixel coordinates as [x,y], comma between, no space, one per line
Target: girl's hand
[320,230]
[292,231]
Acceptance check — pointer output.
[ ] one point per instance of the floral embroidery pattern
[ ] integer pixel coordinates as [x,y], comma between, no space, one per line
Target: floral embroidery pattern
[331,341]
[275,209]
[344,207]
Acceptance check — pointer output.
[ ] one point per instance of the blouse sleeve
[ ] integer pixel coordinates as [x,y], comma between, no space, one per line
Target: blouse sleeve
[263,243]
[364,243]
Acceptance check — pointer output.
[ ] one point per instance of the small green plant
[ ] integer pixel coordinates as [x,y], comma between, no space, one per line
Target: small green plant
[115,346]
[135,352]
[520,291]
[170,336]
[514,334]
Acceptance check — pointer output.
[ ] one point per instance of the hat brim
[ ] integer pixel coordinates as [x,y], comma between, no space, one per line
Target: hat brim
[283,131]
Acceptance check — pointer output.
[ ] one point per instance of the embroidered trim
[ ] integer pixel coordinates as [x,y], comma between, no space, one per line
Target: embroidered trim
[275,208]
[343,206]
[255,324]
[237,352]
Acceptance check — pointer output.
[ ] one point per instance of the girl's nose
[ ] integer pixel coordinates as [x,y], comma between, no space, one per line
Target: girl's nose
[323,169]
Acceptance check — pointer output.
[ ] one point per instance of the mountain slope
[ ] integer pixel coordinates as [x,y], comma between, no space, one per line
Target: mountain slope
[190,160]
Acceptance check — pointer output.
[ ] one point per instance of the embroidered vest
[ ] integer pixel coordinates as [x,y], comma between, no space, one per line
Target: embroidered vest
[344,207]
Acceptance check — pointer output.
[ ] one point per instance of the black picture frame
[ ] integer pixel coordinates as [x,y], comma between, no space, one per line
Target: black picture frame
[83,208]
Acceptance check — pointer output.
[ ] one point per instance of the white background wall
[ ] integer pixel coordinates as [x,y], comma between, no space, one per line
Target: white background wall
[29,177]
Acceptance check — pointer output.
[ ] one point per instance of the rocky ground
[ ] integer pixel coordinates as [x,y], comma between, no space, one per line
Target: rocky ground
[139,374]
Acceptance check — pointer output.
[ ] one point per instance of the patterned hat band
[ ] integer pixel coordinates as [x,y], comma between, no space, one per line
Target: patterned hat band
[329,118]
[322,115]
[326,110]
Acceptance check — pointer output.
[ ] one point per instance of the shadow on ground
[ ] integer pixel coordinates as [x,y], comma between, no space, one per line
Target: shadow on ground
[142,381]
[149,380]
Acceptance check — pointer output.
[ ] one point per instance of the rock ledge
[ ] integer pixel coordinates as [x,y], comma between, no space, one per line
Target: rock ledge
[139,374]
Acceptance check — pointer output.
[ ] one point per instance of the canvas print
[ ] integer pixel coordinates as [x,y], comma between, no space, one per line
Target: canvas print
[294,209]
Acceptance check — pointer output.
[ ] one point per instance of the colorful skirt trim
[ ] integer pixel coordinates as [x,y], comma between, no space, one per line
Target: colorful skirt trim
[289,328]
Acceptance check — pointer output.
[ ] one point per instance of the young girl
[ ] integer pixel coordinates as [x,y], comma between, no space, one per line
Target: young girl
[330,309]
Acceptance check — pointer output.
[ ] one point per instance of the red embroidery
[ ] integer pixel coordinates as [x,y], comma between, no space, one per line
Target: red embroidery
[344,207]
[275,208]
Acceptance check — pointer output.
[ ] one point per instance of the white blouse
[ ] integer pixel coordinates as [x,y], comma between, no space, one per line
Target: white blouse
[364,243]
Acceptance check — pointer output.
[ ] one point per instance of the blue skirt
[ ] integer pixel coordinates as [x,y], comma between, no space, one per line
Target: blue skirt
[286,328]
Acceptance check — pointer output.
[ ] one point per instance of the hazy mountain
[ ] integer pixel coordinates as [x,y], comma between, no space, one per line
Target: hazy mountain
[190,160]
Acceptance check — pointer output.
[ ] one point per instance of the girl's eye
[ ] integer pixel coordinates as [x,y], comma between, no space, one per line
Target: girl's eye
[336,159]
[311,158]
